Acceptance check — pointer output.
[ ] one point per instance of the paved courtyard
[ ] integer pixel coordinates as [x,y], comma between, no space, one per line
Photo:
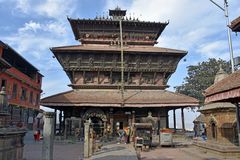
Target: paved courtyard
[189,153]
[113,151]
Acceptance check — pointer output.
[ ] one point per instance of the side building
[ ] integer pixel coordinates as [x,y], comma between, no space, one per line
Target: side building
[22,82]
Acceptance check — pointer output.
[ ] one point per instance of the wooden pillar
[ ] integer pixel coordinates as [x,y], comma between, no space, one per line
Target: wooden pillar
[167,120]
[133,117]
[55,121]
[111,119]
[159,122]
[60,122]
[65,128]
[98,76]
[159,126]
[174,120]
[183,123]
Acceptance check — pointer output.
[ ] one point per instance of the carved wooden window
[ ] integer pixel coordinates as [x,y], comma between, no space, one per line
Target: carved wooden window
[23,94]
[14,91]
[3,83]
[31,97]
[147,78]
[37,99]
[116,78]
[89,77]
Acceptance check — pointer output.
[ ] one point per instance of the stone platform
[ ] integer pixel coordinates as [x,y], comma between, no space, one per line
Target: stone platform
[225,150]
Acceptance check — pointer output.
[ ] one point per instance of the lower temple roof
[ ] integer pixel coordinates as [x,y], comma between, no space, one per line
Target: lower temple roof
[112,98]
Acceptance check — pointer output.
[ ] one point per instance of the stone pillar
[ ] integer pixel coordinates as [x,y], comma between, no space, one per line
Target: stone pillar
[174,120]
[86,140]
[183,122]
[48,136]
[90,141]
[238,120]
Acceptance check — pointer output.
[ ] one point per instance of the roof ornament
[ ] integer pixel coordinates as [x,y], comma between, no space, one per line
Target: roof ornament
[221,74]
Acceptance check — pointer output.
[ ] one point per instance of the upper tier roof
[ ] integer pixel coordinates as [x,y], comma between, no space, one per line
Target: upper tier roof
[107,30]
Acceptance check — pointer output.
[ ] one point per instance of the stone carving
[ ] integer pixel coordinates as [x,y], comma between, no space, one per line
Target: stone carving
[95,113]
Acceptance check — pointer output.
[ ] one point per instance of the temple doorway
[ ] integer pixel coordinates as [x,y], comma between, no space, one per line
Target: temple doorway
[98,126]
[213,128]
[98,120]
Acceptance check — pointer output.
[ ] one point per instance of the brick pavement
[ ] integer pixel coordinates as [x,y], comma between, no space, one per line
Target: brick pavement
[62,151]
[116,152]
[181,153]
[74,151]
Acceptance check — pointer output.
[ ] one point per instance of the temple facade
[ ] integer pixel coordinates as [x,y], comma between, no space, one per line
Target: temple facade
[118,77]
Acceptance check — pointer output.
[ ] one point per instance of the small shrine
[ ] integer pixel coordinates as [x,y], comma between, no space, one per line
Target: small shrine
[221,115]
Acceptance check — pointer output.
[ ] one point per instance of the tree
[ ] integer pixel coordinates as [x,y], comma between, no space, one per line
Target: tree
[200,77]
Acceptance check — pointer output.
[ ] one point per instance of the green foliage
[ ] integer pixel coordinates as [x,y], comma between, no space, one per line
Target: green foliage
[200,77]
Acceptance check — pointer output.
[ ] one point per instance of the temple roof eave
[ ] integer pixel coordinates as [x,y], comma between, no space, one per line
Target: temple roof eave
[235,25]
[135,23]
[4,64]
[227,88]
[138,49]
[136,105]
[112,98]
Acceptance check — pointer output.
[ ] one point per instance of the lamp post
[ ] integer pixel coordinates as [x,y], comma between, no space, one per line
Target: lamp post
[225,10]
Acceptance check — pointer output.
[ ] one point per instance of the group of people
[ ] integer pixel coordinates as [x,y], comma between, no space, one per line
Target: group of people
[200,131]
[124,135]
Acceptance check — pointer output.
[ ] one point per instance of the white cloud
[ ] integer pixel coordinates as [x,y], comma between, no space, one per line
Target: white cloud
[55,8]
[48,8]
[216,49]
[30,26]
[23,6]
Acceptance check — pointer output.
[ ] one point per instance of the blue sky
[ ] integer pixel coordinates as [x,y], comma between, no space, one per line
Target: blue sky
[31,27]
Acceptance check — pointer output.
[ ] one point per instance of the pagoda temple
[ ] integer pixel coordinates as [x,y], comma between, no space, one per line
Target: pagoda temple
[114,91]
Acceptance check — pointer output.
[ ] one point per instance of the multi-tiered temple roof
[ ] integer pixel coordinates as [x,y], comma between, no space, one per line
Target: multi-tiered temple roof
[95,64]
